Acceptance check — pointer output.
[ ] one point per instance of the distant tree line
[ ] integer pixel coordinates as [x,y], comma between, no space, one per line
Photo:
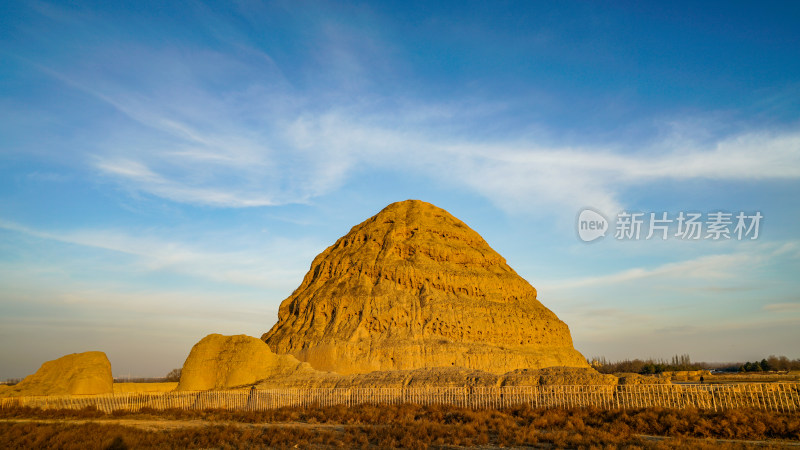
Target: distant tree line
[683,362]
[778,363]
[173,375]
[646,366]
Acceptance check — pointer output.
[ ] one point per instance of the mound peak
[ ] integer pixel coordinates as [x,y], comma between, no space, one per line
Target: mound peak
[415,287]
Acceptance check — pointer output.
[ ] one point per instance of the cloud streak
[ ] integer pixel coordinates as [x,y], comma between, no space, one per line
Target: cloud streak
[265,142]
[277,264]
[784,308]
[324,151]
[711,268]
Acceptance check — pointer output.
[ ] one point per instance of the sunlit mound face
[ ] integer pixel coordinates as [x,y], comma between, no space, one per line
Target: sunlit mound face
[415,287]
[86,373]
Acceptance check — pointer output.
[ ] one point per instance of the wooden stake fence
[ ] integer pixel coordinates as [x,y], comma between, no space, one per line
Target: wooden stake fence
[783,397]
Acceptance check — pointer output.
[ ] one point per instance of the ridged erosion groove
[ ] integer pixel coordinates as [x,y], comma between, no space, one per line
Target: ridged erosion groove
[784,397]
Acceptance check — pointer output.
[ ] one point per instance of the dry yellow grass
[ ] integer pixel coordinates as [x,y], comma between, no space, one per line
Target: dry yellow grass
[126,388]
[399,426]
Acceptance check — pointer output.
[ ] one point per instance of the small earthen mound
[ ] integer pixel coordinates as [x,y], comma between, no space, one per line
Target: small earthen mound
[219,362]
[85,373]
[685,375]
[557,376]
[635,378]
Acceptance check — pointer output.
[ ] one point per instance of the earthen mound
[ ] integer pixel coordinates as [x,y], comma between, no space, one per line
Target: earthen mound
[75,374]
[414,287]
[443,377]
[635,378]
[557,376]
[219,362]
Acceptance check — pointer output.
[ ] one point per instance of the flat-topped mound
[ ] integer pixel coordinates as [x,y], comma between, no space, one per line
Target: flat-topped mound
[444,377]
[75,374]
[414,287]
[219,362]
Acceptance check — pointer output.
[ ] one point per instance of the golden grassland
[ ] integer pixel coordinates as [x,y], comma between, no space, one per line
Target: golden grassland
[126,388]
[757,377]
[405,425]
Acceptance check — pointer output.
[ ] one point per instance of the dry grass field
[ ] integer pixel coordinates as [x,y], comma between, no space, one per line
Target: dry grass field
[399,426]
[758,377]
[125,388]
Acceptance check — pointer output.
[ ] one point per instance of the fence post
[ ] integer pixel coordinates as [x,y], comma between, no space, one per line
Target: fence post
[784,397]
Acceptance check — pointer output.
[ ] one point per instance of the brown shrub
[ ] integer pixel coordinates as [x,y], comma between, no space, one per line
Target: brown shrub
[406,426]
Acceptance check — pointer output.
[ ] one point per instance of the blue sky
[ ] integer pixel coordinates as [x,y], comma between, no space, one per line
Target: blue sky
[170,171]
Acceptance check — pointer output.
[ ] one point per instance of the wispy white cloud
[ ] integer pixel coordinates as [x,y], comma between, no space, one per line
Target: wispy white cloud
[136,175]
[787,307]
[524,176]
[696,296]
[262,142]
[323,151]
[711,268]
[278,263]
